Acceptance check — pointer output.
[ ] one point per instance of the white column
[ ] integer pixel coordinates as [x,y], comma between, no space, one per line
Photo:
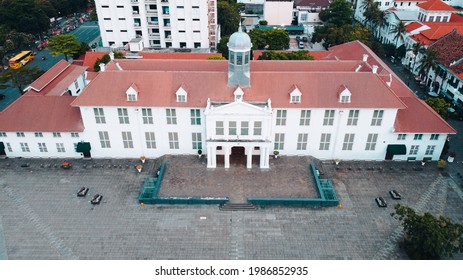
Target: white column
[264,157]
[249,157]
[226,156]
[210,157]
[214,156]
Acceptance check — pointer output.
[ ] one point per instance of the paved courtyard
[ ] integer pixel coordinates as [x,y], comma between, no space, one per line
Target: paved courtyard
[42,218]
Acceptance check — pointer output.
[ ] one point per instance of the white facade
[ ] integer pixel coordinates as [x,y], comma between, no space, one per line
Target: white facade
[278,12]
[160,23]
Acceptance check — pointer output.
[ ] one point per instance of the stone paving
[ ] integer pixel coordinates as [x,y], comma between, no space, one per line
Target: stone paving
[42,218]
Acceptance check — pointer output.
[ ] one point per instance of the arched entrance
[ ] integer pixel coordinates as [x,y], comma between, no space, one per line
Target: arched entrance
[238,156]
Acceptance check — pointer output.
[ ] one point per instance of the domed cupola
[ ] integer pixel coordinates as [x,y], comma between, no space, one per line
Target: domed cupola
[239,53]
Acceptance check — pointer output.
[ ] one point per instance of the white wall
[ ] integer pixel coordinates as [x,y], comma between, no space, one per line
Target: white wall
[278,13]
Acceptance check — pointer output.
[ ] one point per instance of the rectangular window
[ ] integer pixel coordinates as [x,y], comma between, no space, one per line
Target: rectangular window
[127,139]
[150,140]
[401,136]
[20,134]
[38,134]
[24,147]
[257,128]
[99,115]
[173,140]
[329,117]
[8,146]
[232,128]
[353,117]
[430,150]
[302,141]
[123,115]
[431,18]
[418,137]
[244,128]
[171,116]
[414,150]
[377,117]
[74,134]
[181,98]
[295,99]
[279,141]
[195,116]
[2,134]
[305,117]
[60,147]
[196,141]
[42,147]
[104,139]
[147,115]
[371,142]
[56,134]
[348,142]
[281,117]
[434,137]
[325,141]
[219,127]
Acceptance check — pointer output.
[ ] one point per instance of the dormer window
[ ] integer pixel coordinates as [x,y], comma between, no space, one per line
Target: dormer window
[238,94]
[345,95]
[181,94]
[132,93]
[295,95]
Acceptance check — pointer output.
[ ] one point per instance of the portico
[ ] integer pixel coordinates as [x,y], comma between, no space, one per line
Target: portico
[261,148]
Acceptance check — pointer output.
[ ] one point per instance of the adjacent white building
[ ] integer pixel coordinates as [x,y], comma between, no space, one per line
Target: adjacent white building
[349,106]
[160,23]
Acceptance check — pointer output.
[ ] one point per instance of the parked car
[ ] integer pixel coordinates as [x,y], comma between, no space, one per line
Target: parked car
[301,45]
[298,38]
[305,39]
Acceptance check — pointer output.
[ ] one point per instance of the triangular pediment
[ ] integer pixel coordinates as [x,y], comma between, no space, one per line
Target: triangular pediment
[240,108]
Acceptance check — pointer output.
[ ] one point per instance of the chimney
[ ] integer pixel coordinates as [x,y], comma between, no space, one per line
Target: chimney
[365,57]
[111,55]
[390,80]
[375,69]
[102,67]
[358,68]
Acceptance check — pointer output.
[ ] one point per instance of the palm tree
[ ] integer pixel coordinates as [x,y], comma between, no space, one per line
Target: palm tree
[399,32]
[416,48]
[369,7]
[379,20]
[428,62]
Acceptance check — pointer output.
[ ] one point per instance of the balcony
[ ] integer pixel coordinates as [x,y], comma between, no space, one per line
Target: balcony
[136,25]
[153,23]
[167,25]
[152,12]
[168,38]
[135,12]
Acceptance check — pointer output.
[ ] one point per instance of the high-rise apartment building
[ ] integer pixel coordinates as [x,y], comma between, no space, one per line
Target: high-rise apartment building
[159,23]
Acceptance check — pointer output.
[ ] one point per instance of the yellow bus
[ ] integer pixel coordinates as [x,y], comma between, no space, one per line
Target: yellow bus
[21,59]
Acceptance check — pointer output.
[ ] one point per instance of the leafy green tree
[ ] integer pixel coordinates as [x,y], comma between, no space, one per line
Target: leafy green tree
[17,41]
[66,44]
[214,57]
[222,46]
[428,61]
[439,105]
[273,39]
[263,22]
[332,35]
[296,55]
[19,78]
[84,47]
[228,16]
[339,13]
[119,55]
[24,16]
[105,59]
[93,15]
[428,237]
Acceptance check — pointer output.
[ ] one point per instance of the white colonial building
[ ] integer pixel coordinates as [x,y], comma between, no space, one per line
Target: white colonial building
[160,23]
[349,106]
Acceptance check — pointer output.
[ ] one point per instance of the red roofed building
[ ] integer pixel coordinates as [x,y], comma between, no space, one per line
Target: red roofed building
[349,105]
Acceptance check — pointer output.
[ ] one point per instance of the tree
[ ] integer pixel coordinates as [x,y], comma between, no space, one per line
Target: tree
[105,59]
[222,46]
[19,78]
[84,47]
[16,41]
[296,55]
[24,16]
[339,13]
[214,57]
[428,237]
[273,39]
[66,44]
[439,105]
[228,16]
[399,32]
[428,61]
[93,15]
[332,35]
[263,22]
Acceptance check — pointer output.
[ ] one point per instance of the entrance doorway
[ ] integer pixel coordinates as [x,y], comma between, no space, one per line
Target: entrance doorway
[2,150]
[237,156]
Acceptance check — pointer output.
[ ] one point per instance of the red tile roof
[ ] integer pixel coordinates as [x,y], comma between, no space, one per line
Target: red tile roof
[59,84]
[91,57]
[414,25]
[449,50]
[50,75]
[420,118]
[435,5]
[317,80]
[41,114]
